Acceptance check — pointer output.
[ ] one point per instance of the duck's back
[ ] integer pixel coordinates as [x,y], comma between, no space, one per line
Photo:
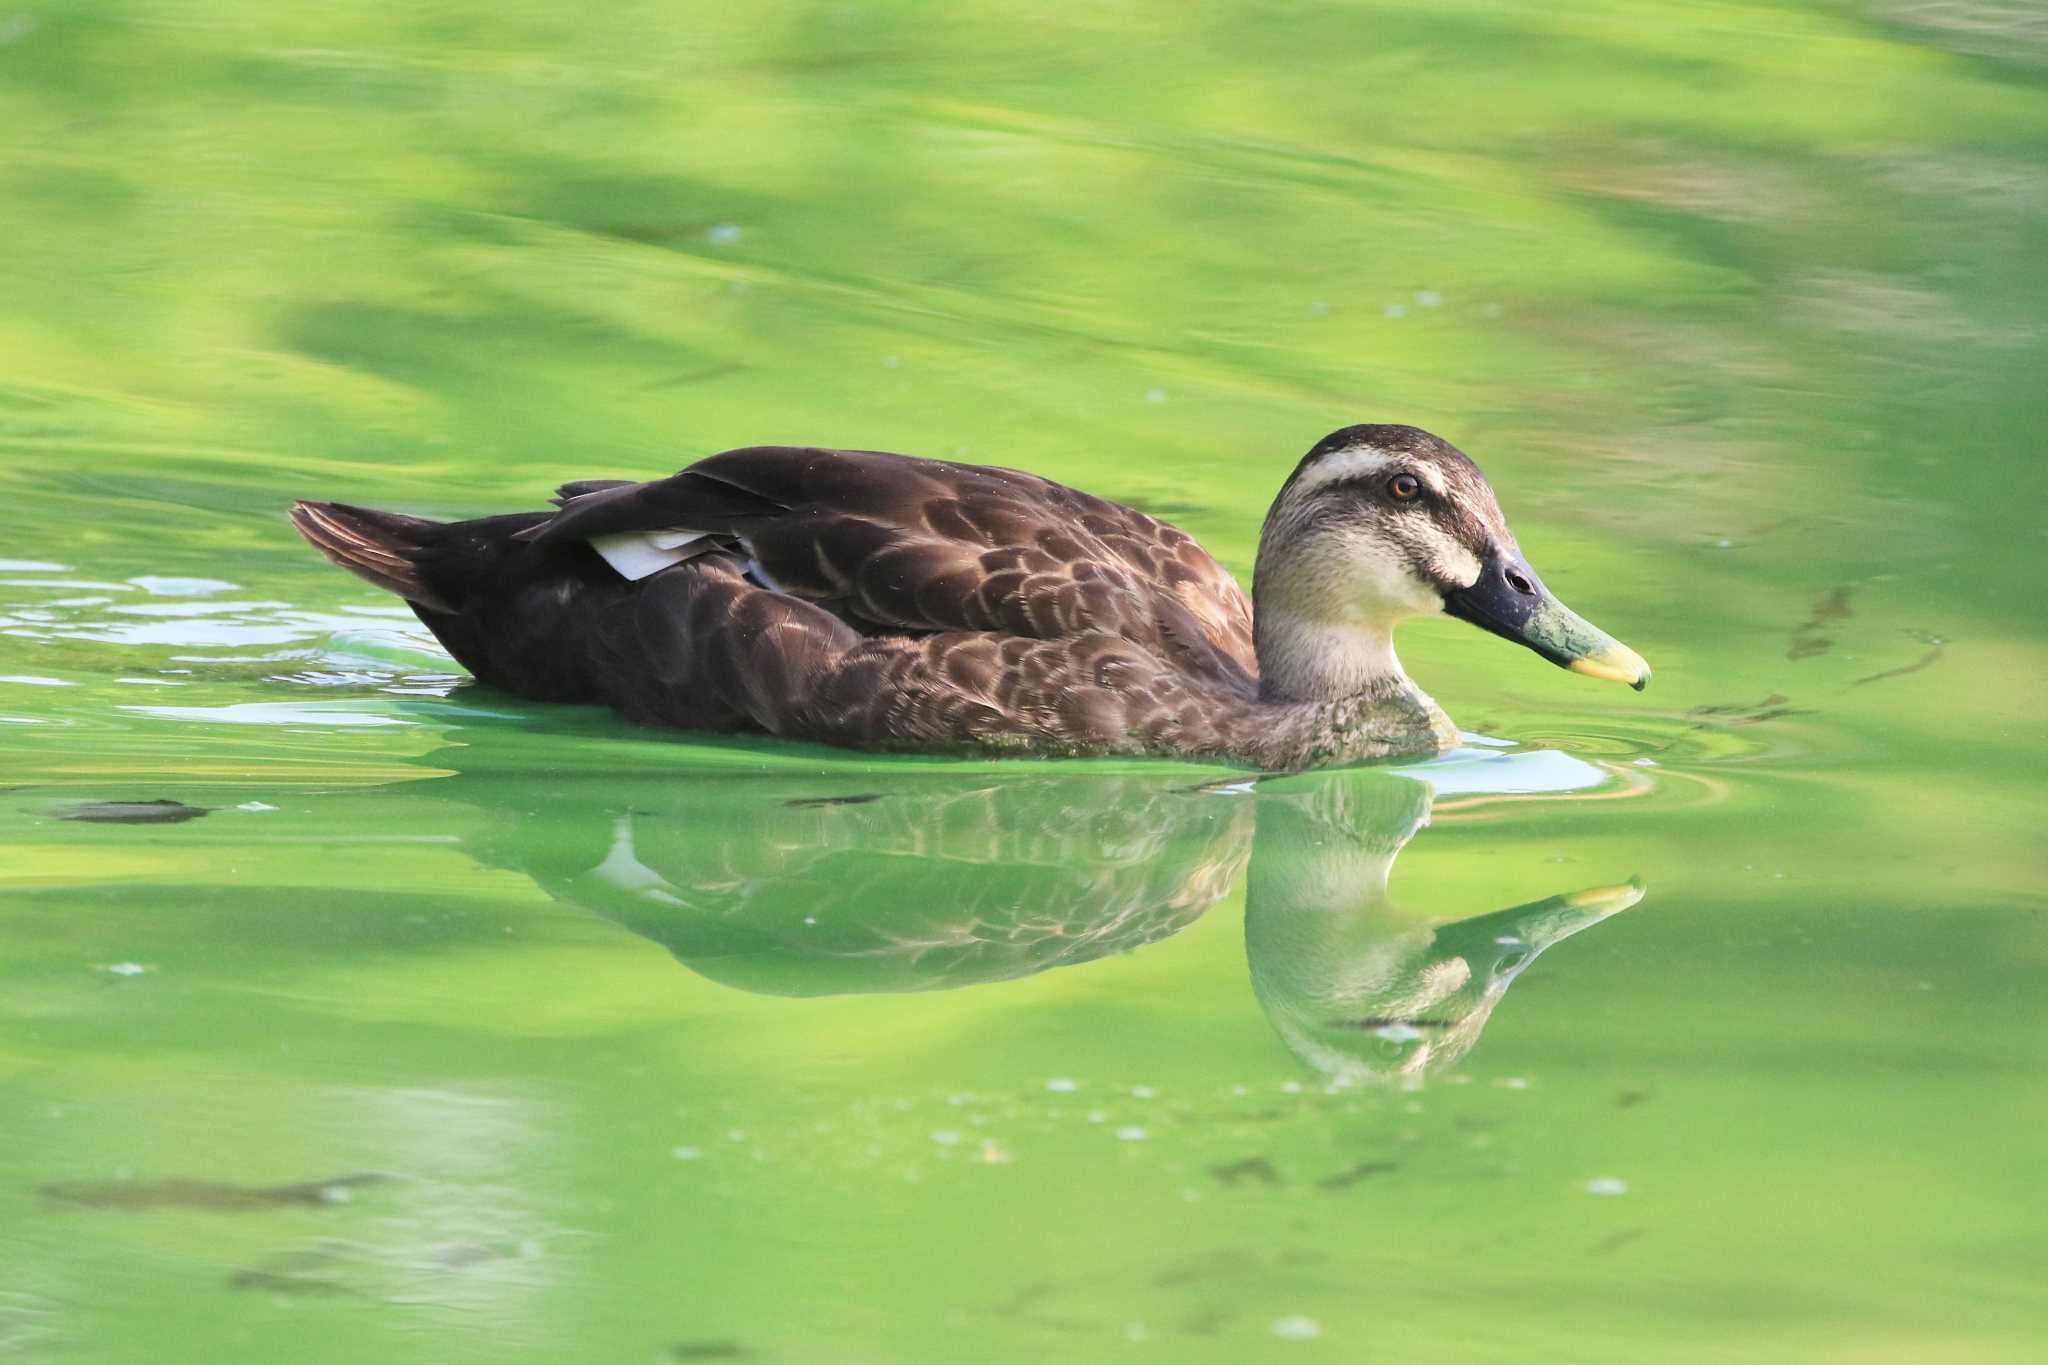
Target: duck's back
[894,544]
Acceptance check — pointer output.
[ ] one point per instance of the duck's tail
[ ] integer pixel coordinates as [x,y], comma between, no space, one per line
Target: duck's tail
[521,617]
[381,547]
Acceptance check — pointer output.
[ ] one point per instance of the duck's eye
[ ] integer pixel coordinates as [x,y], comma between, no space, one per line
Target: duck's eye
[1404,487]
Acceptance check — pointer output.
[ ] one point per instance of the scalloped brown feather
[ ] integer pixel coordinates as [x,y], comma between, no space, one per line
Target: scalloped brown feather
[895,543]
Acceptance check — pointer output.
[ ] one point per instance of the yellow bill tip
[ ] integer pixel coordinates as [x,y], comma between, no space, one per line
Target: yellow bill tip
[1606,900]
[1615,663]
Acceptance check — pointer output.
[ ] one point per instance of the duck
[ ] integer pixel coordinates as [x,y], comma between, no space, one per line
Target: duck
[892,603]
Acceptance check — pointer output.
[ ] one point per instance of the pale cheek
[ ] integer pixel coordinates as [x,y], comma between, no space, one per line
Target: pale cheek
[1456,564]
[1379,587]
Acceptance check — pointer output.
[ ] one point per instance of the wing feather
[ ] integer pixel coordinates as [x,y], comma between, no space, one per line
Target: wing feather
[893,545]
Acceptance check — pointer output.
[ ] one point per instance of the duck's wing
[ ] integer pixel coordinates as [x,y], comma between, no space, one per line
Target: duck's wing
[895,544]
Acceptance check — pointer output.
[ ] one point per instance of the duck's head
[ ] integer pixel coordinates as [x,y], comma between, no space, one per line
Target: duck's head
[1381,523]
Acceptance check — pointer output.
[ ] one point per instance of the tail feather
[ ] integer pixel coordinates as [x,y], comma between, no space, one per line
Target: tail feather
[380,547]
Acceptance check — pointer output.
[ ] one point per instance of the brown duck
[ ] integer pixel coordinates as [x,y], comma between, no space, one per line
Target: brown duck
[886,602]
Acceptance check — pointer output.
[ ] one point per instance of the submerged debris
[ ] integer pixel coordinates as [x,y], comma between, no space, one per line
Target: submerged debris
[1772,707]
[1807,641]
[157,812]
[300,1271]
[1345,1179]
[211,1195]
[857,799]
[711,1350]
[1935,645]
[284,1282]
[1617,1241]
[1251,1168]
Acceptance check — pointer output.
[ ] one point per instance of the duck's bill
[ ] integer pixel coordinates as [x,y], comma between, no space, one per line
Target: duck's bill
[1602,901]
[1539,924]
[1546,625]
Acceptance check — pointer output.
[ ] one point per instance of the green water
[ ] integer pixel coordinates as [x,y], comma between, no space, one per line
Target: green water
[443,1027]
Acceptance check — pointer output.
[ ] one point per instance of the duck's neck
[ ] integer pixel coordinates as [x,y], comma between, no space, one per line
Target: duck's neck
[1323,617]
[1336,694]
[1324,608]
[1307,660]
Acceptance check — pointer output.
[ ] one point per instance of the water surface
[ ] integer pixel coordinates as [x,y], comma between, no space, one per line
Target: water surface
[351,1011]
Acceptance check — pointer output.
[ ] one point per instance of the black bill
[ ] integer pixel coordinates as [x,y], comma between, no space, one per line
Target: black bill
[1511,601]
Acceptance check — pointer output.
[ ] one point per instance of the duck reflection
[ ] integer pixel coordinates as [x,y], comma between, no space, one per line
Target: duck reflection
[1354,986]
[781,886]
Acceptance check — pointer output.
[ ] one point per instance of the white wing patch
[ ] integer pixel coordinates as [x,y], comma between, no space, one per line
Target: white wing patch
[637,554]
[623,869]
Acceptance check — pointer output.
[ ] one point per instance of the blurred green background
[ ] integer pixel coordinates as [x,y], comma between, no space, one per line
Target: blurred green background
[1741,306]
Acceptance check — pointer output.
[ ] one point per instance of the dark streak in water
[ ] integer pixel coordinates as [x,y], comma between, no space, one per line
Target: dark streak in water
[1251,1168]
[1345,1179]
[1772,713]
[811,802]
[209,1195]
[1617,1241]
[711,1350]
[703,376]
[1023,1306]
[1806,640]
[1770,708]
[1775,699]
[465,1254]
[306,1286]
[157,812]
[1937,646]
[657,234]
